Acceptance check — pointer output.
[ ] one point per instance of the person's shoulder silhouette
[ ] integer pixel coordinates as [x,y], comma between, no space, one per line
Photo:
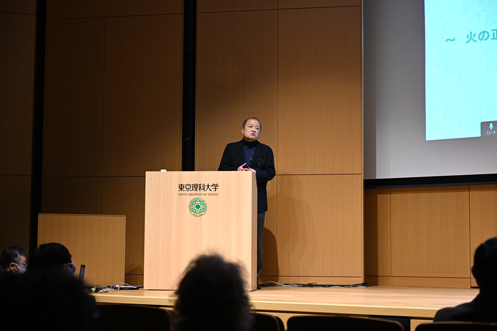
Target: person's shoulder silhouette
[212,296]
[484,307]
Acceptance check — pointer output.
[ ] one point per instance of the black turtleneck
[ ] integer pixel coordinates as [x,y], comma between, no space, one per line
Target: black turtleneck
[249,150]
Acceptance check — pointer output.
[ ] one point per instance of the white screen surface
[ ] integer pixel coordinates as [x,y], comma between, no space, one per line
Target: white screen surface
[460,68]
[395,133]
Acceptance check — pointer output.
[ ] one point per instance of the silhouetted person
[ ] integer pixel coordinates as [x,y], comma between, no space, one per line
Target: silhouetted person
[484,307]
[13,260]
[212,297]
[46,300]
[52,256]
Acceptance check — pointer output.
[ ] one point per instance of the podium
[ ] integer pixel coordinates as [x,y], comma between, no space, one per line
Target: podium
[188,213]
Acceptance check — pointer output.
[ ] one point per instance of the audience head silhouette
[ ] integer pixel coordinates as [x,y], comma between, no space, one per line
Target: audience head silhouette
[485,264]
[46,300]
[211,296]
[52,256]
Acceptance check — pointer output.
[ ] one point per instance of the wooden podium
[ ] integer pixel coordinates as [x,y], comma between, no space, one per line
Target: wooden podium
[192,213]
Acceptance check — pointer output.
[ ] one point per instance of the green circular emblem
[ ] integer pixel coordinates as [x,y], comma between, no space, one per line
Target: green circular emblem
[197,206]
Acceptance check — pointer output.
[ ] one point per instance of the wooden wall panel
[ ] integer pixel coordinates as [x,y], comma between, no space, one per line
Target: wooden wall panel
[15,197]
[72,195]
[94,240]
[57,9]
[377,232]
[234,5]
[17,40]
[74,91]
[126,196]
[142,7]
[432,237]
[317,3]
[269,246]
[483,208]
[446,282]
[18,7]
[16,86]
[430,232]
[319,229]
[320,91]
[236,79]
[134,279]
[143,94]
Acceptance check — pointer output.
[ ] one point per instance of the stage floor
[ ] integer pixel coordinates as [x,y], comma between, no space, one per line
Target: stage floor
[410,302]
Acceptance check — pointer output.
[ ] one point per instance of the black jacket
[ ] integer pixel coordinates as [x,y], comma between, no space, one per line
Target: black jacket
[3,271]
[263,164]
[482,309]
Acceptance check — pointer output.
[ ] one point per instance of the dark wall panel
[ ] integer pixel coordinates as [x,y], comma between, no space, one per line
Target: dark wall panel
[143,94]
[74,81]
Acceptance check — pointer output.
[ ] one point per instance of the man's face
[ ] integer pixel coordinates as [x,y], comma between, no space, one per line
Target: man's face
[20,267]
[70,268]
[251,130]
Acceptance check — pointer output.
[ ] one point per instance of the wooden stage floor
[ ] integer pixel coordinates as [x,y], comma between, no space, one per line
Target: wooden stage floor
[416,303]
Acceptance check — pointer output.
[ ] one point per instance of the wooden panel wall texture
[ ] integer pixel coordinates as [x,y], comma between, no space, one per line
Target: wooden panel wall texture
[74,94]
[483,208]
[236,79]
[317,3]
[113,108]
[427,236]
[206,6]
[377,232]
[319,230]
[17,40]
[299,72]
[76,231]
[430,232]
[320,91]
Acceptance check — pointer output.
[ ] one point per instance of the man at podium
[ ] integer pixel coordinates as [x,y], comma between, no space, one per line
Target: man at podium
[249,154]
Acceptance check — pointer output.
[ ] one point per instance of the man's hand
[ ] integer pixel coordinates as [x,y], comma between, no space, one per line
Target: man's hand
[250,169]
[241,168]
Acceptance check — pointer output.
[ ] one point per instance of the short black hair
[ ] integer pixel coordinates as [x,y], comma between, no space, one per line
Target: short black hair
[485,264]
[49,256]
[212,296]
[252,118]
[11,254]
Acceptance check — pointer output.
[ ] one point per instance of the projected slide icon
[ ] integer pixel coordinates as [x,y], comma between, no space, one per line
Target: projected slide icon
[488,129]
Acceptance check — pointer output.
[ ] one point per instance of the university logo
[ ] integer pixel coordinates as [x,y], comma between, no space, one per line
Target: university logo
[197,206]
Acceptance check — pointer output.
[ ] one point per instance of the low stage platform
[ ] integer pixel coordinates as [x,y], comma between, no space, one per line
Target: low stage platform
[418,304]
